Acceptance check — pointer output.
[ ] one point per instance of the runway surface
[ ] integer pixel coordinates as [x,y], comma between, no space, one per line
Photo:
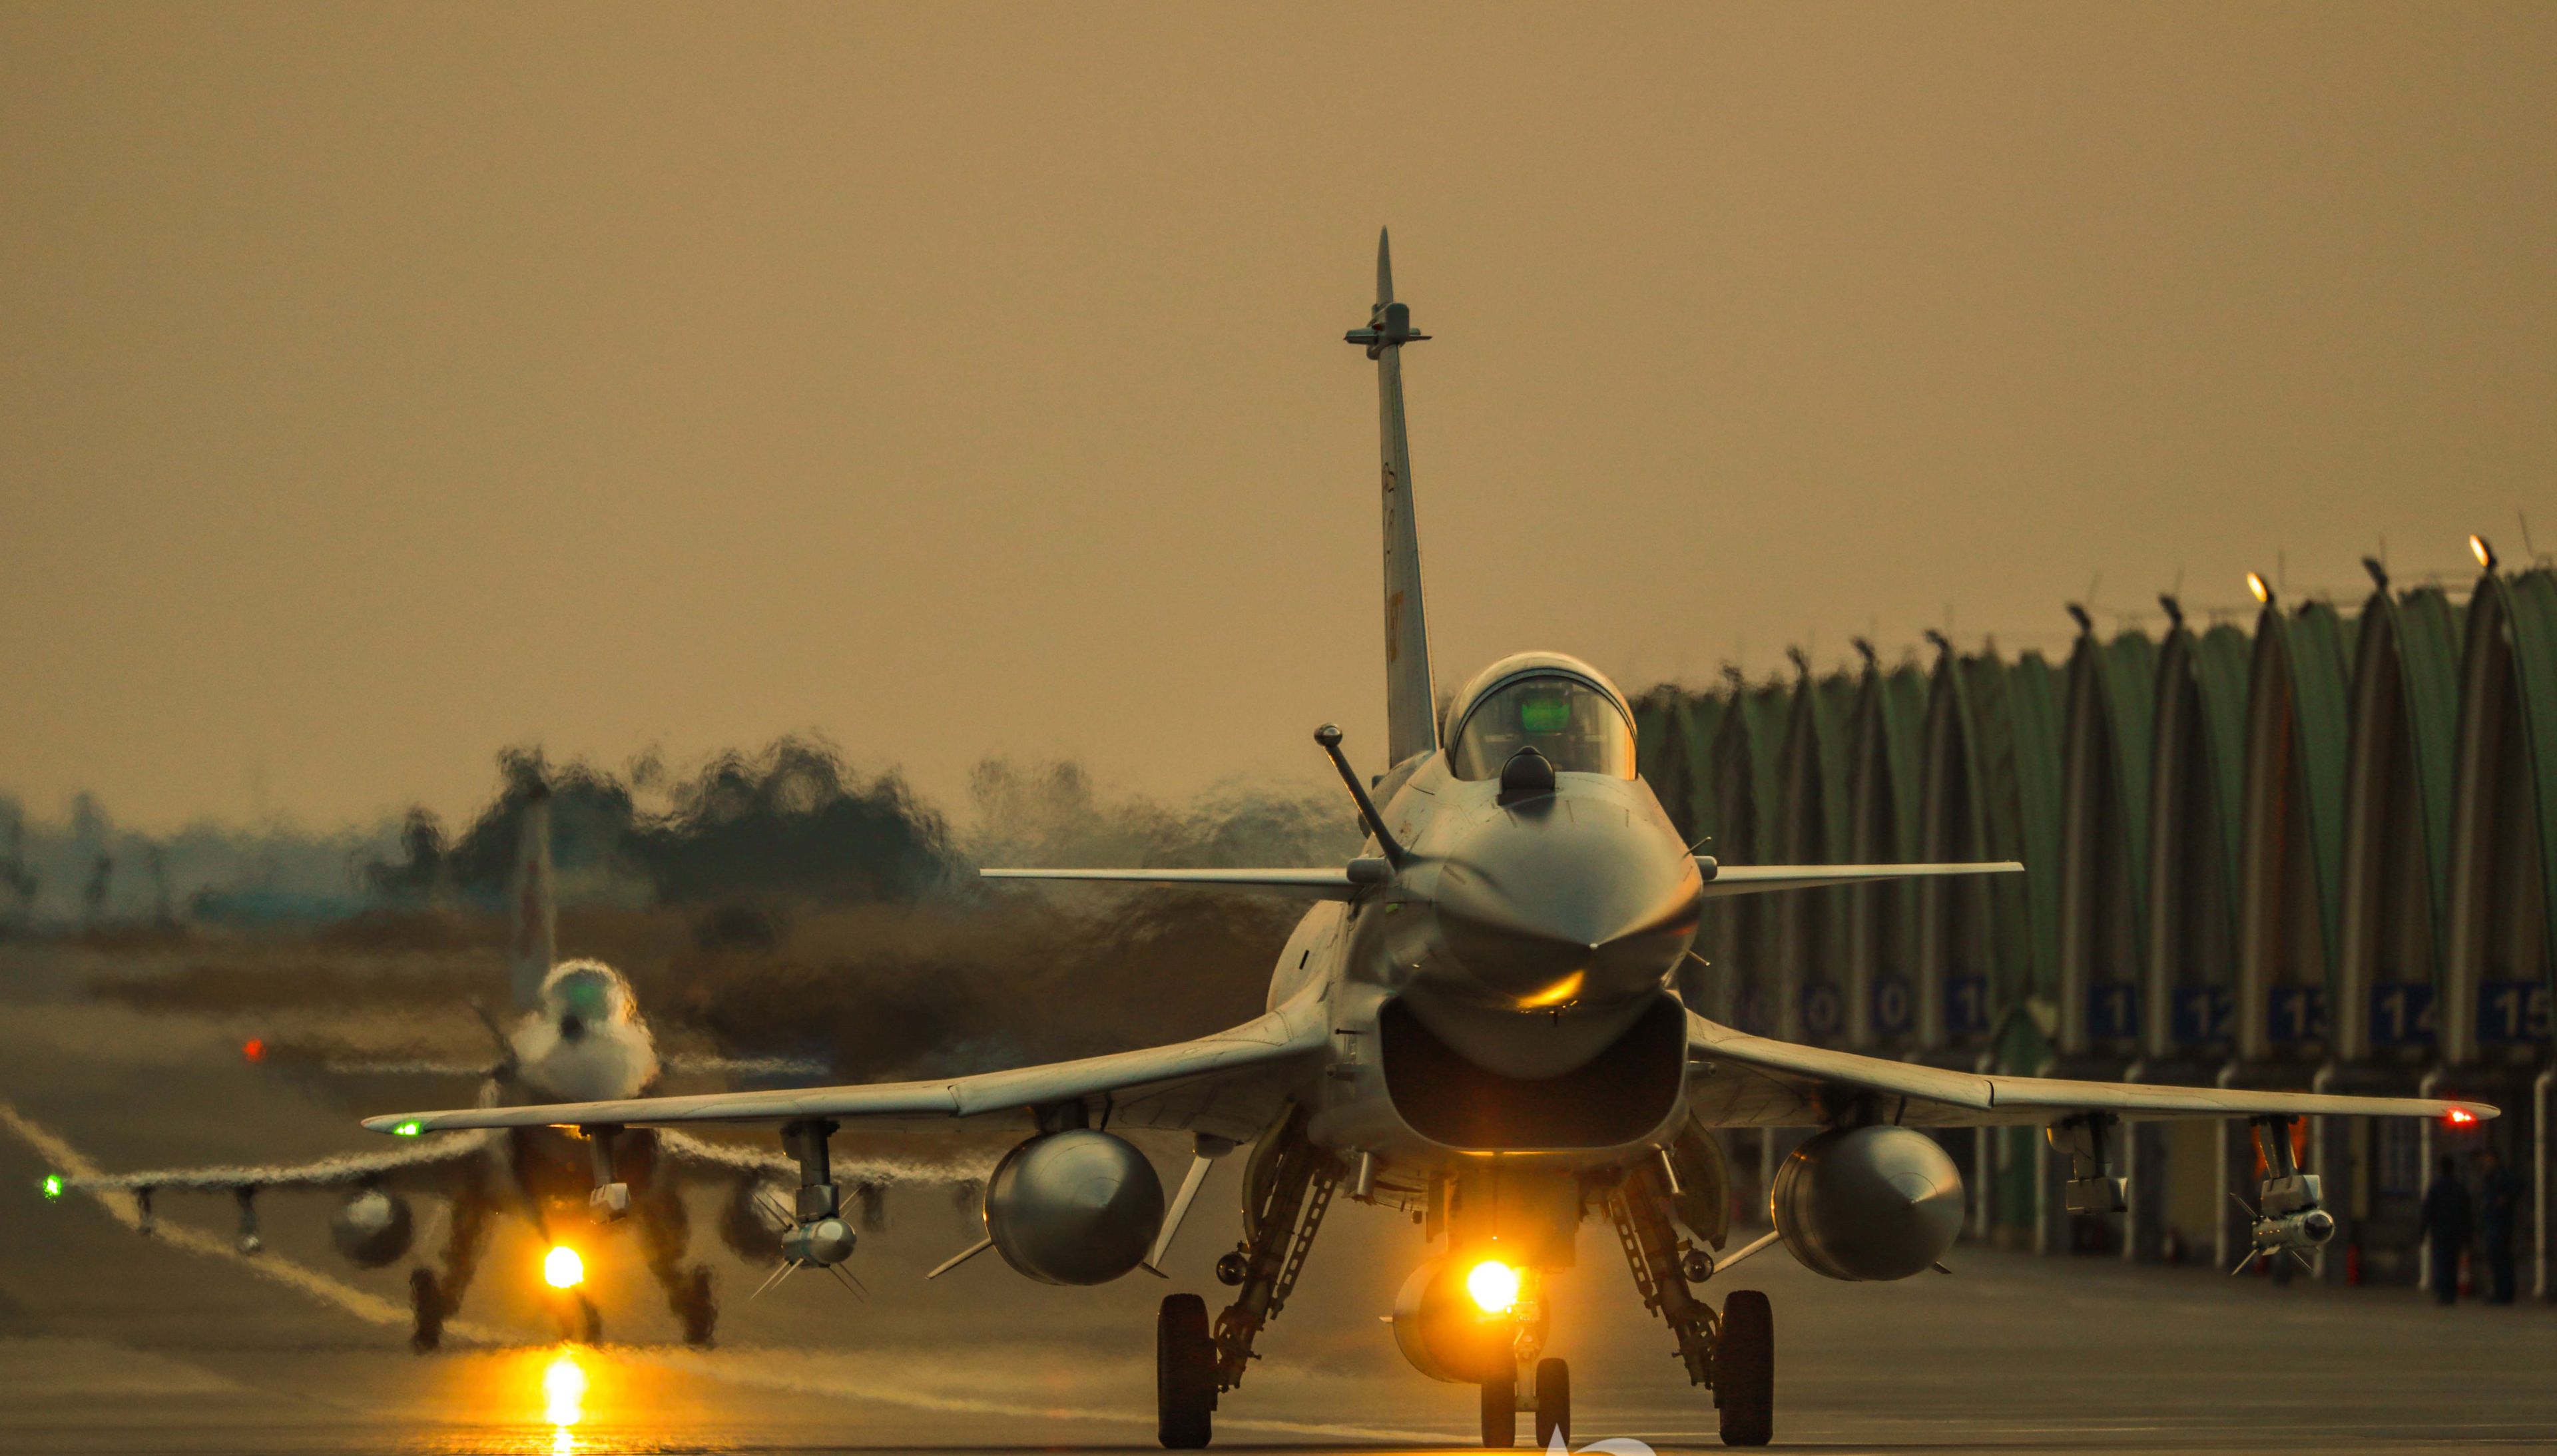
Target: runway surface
[110,1342]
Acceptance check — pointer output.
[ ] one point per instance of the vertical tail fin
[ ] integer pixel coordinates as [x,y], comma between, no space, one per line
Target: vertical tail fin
[1410,696]
[534,947]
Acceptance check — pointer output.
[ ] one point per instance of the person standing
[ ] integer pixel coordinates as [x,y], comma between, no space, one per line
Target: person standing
[2445,1229]
[2498,1205]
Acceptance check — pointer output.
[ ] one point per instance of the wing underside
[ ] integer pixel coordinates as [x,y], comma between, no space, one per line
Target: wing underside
[1744,1081]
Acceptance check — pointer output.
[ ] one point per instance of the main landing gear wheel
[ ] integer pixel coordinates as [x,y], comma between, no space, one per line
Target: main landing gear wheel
[701,1310]
[1553,1402]
[426,1302]
[1184,1374]
[1744,1370]
[1500,1411]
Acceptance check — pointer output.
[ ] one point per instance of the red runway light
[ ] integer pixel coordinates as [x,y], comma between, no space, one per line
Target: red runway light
[255,1049]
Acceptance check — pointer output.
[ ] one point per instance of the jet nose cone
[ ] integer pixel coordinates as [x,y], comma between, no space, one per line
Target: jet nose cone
[1577,904]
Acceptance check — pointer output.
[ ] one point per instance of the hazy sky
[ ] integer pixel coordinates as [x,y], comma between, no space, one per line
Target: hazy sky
[383,384]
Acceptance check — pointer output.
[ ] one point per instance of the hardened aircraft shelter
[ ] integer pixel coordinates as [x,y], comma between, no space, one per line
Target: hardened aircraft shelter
[2314,851]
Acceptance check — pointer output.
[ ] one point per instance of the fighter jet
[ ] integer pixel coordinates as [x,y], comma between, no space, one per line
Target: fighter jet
[579,1035]
[1475,1024]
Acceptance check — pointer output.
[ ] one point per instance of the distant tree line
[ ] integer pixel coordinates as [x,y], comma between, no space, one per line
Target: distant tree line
[791,822]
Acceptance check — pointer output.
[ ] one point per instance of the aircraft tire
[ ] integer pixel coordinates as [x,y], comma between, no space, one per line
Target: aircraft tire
[1553,1402]
[426,1303]
[701,1309]
[1500,1413]
[1184,1374]
[1744,1370]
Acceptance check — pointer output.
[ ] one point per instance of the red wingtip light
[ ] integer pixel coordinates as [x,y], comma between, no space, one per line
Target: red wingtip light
[2460,1117]
[255,1049]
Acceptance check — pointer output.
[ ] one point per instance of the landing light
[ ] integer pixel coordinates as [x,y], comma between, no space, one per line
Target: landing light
[1494,1285]
[563,1269]
[2262,589]
[2484,553]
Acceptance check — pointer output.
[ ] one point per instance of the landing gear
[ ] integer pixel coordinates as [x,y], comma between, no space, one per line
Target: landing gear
[1550,1397]
[1734,1352]
[1500,1413]
[1287,1190]
[1553,1402]
[1184,1374]
[664,1232]
[698,1310]
[1744,1370]
[433,1300]
[426,1302]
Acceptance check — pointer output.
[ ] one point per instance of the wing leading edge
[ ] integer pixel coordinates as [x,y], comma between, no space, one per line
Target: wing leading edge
[1757,1081]
[1227,1083]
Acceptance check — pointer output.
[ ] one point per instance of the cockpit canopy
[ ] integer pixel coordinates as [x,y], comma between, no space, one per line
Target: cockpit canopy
[589,990]
[1547,702]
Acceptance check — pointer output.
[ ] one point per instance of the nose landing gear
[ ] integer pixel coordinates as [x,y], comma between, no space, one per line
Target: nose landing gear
[1553,1402]
[1548,1396]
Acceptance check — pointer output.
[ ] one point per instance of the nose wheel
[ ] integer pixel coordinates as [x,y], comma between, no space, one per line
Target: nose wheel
[1551,1395]
[1553,1402]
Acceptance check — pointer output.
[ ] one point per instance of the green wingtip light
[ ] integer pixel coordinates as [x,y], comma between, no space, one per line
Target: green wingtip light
[53,1185]
[408,1129]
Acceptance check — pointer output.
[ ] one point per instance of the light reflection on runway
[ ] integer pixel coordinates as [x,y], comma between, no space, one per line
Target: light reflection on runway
[564,1391]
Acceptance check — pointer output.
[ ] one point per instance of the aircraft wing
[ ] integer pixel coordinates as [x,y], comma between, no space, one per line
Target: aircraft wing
[1749,879]
[418,1167]
[1312,884]
[1341,884]
[1230,1084]
[1742,1081]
